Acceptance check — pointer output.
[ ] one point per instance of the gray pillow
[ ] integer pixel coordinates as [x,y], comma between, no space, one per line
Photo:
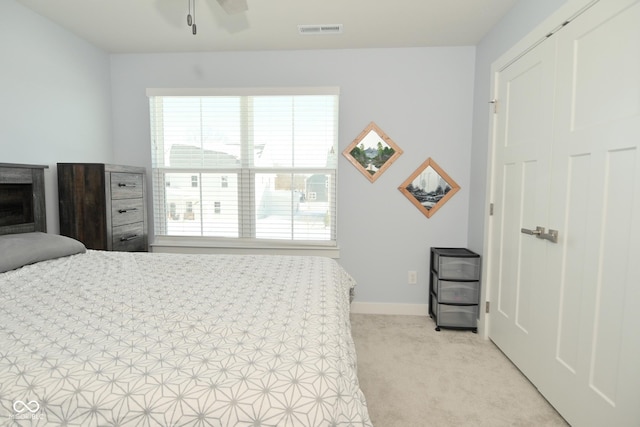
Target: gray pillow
[17,250]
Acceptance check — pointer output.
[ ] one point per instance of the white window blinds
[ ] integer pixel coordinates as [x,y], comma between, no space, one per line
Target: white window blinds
[245,164]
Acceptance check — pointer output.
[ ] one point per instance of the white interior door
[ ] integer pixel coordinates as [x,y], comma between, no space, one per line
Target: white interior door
[522,149]
[593,377]
[567,313]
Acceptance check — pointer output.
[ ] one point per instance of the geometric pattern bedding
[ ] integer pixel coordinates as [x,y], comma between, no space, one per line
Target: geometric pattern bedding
[139,339]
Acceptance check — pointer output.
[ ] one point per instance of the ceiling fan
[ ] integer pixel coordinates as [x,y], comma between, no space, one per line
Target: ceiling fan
[229,6]
[233,6]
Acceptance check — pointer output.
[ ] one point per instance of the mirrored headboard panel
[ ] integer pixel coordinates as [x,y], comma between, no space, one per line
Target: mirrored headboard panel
[22,201]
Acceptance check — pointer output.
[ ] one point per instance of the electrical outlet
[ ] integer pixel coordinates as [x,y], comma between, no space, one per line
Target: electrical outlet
[413,277]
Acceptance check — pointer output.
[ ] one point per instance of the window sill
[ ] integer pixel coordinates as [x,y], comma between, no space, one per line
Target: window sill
[204,245]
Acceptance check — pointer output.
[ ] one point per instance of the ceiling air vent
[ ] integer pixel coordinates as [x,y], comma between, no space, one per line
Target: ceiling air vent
[313,30]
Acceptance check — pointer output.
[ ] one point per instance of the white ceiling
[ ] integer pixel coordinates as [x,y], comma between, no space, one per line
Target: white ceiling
[137,26]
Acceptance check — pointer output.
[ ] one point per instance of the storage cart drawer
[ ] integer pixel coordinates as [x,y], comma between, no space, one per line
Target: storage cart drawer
[457,268]
[456,292]
[456,316]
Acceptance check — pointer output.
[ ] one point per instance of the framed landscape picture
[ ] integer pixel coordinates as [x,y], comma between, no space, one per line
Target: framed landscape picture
[372,152]
[429,187]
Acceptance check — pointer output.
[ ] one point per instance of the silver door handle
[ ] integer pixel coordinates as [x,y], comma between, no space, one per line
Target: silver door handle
[539,232]
[551,236]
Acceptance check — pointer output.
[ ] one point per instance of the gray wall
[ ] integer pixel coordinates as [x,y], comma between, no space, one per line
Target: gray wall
[55,100]
[420,97]
[64,100]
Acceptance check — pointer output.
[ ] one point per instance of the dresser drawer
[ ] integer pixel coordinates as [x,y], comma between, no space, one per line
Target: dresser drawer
[129,237]
[454,292]
[126,211]
[126,185]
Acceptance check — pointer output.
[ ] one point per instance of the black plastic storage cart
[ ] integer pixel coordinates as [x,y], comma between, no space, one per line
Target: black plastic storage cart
[454,288]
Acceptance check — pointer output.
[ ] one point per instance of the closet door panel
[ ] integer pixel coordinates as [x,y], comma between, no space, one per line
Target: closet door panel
[593,378]
[613,274]
[579,200]
[521,189]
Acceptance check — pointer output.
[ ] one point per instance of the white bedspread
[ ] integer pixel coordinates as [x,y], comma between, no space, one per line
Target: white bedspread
[110,338]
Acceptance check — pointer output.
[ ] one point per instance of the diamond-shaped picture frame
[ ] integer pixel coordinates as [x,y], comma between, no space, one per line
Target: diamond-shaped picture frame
[429,187]
[372,152]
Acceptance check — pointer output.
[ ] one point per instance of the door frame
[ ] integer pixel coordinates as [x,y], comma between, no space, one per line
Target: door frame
[552,24]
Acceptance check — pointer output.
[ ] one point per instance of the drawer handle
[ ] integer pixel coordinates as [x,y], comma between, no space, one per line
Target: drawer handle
[122,184]
[129,237]
[127,210]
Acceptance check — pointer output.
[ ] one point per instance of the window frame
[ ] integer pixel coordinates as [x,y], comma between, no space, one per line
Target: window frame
[246,172]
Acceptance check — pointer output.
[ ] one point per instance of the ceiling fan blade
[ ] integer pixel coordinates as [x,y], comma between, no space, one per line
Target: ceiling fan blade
[234,6]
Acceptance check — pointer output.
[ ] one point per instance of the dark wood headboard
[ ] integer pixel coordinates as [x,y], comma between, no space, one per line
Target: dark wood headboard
[22,200]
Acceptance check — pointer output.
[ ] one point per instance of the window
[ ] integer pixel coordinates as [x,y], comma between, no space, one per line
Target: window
[268,155]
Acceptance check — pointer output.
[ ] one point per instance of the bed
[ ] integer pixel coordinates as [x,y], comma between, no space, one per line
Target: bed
[94,338]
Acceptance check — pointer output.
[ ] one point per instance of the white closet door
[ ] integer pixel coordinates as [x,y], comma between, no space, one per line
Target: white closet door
[593,376]
[523,126]
[567,157]
[568,313]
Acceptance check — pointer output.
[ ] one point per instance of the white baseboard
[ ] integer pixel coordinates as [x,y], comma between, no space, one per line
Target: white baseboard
[387,308]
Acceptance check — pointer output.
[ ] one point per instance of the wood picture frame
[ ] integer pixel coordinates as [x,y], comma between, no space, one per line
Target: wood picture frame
[372,152]
[429,187]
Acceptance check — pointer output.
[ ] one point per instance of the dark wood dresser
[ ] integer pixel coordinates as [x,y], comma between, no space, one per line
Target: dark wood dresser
[103,206]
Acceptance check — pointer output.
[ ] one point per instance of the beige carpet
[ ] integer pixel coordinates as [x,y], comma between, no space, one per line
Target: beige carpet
[413,376]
